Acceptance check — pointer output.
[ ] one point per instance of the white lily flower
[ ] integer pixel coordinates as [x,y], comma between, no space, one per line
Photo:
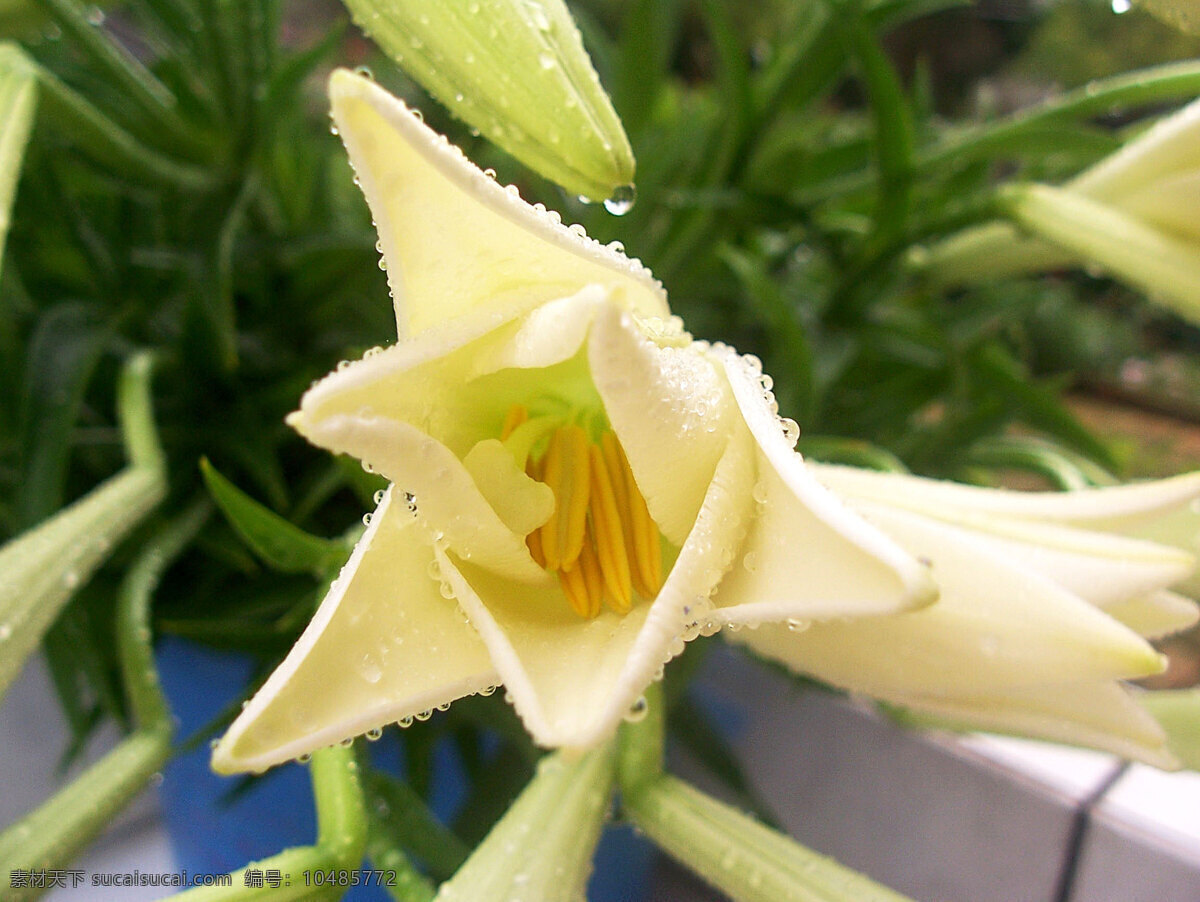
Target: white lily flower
[578,488]
[1018,573]
[1132,213]
[572,476]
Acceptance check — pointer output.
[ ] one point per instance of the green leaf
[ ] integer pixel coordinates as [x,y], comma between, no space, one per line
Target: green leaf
[402,816]
[18,103]
[282,545]
[62,356]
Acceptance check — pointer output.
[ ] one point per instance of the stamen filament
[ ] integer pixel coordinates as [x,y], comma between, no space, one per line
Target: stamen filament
[610,541]
[517,414]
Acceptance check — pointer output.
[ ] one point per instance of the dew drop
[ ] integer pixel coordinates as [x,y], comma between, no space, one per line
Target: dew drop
[638,710]
[379,495]
[797,626]
[346,743]
[622,200]
[303,759]
[405,722]
[365,72]
[366,518]
[791,430]
[490,173]
[374,734]
[369,669]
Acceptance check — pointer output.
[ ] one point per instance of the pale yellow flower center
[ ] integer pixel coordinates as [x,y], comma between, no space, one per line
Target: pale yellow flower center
[600,540]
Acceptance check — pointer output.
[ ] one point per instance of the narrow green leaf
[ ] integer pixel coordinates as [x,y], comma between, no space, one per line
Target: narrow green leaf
[62,355]
[736,854]
[402,816]
[1065,471]
[18,103]
[97,136]
[137,84]
[280,544]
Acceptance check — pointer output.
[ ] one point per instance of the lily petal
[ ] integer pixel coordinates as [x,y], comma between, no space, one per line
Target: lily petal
[1099,715]
[1169,146]
[1102,568]
[1132,509]
[847,567]
[450,504]
[1156,615]
[573,680]
[670,410]
[384,645]
[431,207]
[995,626]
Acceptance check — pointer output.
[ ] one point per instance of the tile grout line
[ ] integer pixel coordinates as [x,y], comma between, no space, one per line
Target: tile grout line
[1080,825]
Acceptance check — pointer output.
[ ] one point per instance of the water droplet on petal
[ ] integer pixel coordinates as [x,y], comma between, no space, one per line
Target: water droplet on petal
[638,710]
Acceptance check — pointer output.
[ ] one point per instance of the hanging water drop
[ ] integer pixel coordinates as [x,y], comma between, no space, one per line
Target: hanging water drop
[622,200]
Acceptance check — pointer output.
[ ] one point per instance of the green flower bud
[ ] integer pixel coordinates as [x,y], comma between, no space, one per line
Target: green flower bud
[515,70]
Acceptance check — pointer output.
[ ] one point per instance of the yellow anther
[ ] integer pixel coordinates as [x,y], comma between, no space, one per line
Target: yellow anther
[565,470]
[647,555]
[517,414]
[583,582]
[600,540]
[574,586]
[639,530]
[610,541]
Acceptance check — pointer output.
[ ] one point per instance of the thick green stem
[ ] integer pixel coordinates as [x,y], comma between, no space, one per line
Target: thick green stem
[542,848]
[51,835]
[43,567]
[304,871]
[738,855]
[640,748]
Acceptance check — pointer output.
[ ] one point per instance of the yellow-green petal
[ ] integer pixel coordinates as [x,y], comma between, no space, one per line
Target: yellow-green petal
[1098,715]
[384,645]
[807,555]
[453,239]
[670,410]
[996,625]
